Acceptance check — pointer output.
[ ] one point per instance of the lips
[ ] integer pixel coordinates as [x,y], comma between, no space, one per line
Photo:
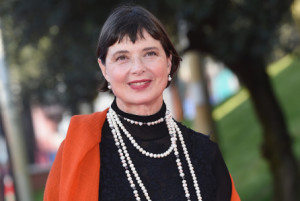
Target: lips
[139,84]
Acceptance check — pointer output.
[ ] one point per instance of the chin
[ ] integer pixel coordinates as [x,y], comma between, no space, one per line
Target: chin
[143,100]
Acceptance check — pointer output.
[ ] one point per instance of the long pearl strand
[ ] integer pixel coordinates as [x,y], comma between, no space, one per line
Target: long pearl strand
[187,157]
[123,156]
[173,128]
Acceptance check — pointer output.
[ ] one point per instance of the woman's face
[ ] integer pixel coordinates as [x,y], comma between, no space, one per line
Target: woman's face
[138,73]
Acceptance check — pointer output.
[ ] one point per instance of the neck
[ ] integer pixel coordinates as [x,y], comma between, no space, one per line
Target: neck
[140,109]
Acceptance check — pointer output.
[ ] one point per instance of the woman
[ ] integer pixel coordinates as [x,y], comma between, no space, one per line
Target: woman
[145,154]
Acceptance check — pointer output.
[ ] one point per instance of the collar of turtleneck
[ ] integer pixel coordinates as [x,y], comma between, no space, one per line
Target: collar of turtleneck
[144,132]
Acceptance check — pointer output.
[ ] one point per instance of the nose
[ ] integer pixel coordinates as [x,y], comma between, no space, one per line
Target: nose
[138,67]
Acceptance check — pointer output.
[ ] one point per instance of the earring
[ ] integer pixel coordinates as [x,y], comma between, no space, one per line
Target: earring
[108,86]
[169,78]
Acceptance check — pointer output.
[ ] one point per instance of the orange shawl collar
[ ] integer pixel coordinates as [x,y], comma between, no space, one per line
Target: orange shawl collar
[75,172]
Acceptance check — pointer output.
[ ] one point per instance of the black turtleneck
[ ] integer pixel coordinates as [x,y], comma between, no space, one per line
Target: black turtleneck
[160,176]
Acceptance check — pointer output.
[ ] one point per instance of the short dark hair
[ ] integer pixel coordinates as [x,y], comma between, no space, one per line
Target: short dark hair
[130,21]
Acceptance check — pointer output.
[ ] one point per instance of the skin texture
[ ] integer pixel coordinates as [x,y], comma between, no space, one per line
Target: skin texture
[138,74]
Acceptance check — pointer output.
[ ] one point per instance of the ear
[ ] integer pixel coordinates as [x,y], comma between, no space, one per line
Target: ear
[103,68]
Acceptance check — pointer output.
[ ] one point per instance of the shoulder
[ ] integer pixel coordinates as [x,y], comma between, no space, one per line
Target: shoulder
[199,143]
[86,125]
[96,117]
[194,135]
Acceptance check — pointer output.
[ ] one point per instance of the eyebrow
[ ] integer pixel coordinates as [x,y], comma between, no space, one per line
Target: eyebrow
[149,48]
[120,52]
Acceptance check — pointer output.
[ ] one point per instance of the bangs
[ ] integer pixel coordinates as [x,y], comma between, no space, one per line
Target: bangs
[133,26]
[133,32]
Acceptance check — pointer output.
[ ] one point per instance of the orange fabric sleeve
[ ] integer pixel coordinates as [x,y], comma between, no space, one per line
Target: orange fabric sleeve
[234,195]
[74,175]
[52,185]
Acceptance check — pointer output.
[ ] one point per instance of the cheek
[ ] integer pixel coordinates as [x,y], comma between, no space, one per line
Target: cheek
[162,72]
[116,75]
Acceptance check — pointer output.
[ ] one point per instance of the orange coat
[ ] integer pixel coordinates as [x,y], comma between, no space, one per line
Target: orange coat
[74,175]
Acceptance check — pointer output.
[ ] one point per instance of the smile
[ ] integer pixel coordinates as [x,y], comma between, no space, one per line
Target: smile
[138,83]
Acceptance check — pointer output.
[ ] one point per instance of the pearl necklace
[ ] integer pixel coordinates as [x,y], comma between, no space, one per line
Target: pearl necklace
[115,123]
[138,147]
[151,123]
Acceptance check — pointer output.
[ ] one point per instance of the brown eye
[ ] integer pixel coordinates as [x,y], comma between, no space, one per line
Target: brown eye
[151,53]
[121,58]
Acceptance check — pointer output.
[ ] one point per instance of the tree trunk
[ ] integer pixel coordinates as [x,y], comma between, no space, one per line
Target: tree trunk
[197,84]
[276,147]
[28,129]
